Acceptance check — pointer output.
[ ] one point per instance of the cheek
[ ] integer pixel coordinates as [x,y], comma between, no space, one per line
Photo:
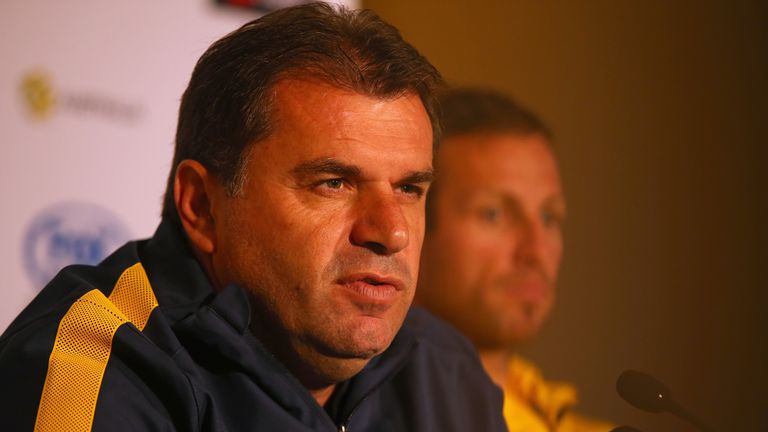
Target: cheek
[416,233]
[492,258]
[295,226]
[554,255]
[491,242]
[476,255]
[272,231]
[235,232]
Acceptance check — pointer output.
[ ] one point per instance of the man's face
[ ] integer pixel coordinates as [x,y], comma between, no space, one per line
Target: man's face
[327,232]
[490,262]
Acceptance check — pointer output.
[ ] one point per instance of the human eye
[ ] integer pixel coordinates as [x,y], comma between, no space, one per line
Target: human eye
[335,183]
[551,219]
[410,189]
[490,214]
[330,186]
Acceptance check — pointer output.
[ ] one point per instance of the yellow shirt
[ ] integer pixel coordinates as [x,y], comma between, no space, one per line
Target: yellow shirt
[534,405]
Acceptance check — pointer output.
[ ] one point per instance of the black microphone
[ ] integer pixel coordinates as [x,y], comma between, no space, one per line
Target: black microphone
[649,394]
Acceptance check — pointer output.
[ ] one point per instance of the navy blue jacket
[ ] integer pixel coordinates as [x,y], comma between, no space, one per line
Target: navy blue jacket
[142,342]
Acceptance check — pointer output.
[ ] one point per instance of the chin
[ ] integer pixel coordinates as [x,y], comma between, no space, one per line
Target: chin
[343,353]
[337,370]
[371,335]
[366,346]
[359,339]
[326,363]
[505,337]
[521,334]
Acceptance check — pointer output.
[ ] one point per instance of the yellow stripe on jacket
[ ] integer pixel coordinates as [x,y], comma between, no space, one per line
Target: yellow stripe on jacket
[82,348]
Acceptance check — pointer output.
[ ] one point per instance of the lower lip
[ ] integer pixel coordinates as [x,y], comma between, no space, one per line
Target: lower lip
[529,292]
[369,294]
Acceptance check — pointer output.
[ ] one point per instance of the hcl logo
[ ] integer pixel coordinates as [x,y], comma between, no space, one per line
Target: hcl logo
[70,233]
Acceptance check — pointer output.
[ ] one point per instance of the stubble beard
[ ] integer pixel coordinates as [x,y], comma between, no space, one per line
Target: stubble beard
[324,343]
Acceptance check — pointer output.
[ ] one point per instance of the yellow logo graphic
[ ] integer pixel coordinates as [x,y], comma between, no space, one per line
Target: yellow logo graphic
[38,94]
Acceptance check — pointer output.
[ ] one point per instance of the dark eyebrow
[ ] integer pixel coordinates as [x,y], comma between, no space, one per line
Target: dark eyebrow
[325,166]
[332,166]
[419,177]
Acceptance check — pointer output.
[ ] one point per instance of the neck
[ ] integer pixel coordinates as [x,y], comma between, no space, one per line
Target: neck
[496,362]
[322,395]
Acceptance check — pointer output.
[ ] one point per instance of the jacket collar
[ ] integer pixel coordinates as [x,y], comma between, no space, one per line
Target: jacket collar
[178,280]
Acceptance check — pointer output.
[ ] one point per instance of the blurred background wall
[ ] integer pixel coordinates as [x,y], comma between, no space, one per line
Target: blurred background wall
[660,112]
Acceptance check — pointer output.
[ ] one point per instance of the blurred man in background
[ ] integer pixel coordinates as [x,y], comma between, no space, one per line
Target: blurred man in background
[493,246]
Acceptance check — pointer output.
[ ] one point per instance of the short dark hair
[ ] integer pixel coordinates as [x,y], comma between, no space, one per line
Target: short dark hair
[466,111]
[227,105]
[478,110]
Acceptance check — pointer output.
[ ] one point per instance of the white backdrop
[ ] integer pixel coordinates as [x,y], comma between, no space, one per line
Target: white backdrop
[89,94]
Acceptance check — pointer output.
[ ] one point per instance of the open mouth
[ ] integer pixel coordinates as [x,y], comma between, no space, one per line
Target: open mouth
[373,281]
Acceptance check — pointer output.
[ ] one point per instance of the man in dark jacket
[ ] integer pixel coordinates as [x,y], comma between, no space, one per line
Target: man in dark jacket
[275,294]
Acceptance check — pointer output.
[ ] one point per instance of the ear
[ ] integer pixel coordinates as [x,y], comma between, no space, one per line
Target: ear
[193,191]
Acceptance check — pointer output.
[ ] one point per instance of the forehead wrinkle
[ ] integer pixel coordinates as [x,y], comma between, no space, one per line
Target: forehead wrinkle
[376,112]
[385,127]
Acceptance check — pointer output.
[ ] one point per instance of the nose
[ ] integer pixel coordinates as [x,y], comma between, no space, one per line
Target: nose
[380,225]
[529,245]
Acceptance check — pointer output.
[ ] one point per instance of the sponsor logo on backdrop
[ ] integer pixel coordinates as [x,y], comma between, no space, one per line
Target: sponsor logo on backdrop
[70,233]
[38,94]
[42,99]
[261,5]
